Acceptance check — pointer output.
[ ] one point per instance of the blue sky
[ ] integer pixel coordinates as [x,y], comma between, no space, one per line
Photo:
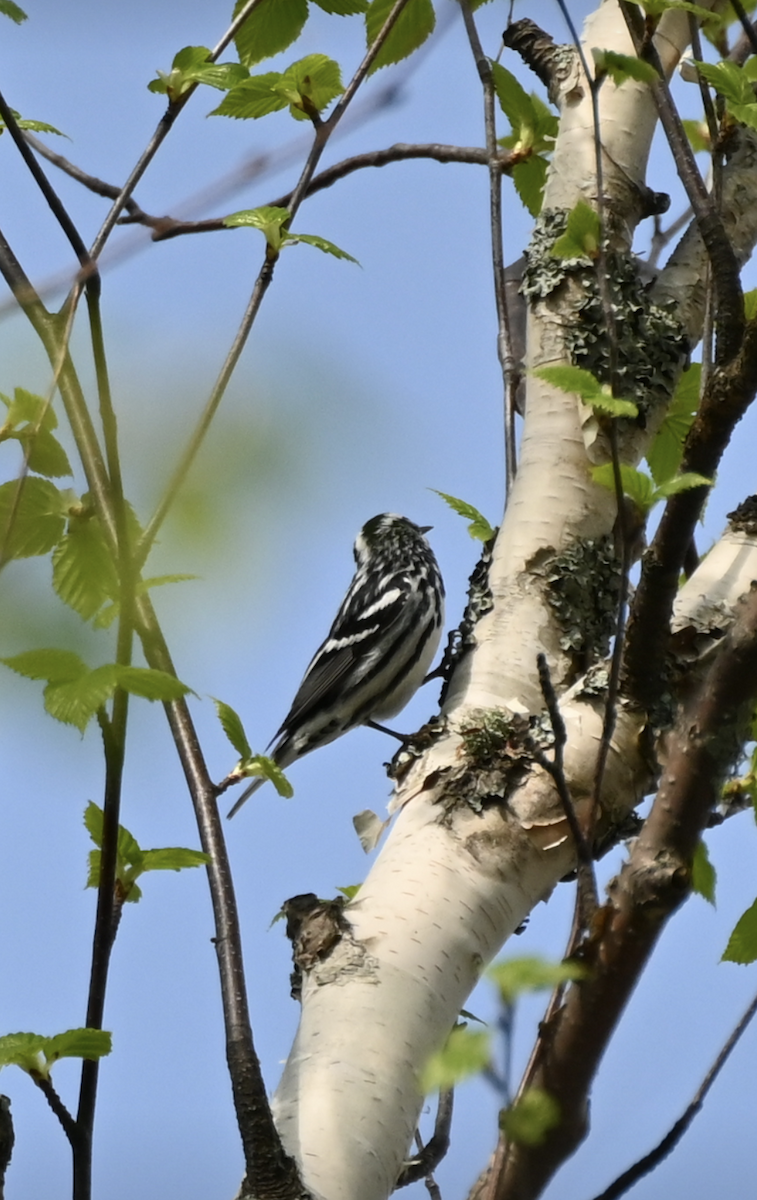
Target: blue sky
[361,389]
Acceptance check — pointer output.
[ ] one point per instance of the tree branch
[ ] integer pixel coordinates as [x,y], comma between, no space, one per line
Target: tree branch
[652,884]
[648,1163]
[730,392]
[507,360]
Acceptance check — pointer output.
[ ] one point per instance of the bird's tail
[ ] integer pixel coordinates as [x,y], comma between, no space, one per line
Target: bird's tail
[256,783]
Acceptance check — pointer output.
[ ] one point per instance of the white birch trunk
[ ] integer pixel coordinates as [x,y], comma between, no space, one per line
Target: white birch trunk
[451,884]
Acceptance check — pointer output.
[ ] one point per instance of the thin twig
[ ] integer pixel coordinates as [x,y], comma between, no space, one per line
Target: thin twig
[323,131]
[750,34]
[626,1181]
[45,1085]
[508,364]
[430,1155]
[723,262]
[587,884]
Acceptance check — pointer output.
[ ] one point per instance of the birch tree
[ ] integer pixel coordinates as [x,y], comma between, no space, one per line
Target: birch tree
[585,673]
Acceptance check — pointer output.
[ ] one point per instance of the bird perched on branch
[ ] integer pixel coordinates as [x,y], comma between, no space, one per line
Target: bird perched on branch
[379,648]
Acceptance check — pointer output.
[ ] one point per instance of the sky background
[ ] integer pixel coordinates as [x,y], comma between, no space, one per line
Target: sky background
[361,388]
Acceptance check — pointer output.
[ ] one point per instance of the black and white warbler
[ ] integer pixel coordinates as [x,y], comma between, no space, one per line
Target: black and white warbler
[379,647]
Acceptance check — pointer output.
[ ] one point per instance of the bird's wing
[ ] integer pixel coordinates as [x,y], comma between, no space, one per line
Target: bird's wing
[326,671]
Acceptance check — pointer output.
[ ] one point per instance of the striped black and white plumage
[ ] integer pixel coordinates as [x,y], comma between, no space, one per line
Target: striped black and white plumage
[379,647]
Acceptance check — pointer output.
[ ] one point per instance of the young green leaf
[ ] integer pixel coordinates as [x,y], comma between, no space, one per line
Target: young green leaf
[656,8]
[310,84]
[729,80]
[514,101]
[9,9]
[268,219]
[681,483]
[415,23]
[191,66]
[698,134]
[261,764]
[28,409]
[84,573]
[343,8]
[55,666]
[32,126]
[312,239]
[150,683]
[232,726]
[598,395]
[582,235]
[253,98]
[530,1119]
[76,701]
[529,177]
[666,451]
[38,520]
[272,222]
[750,304]
[270,28]
[173,858]
[531,974]
[703,877]
[350,891]
[36,1054]
[131,860]
[621,67]
[636,484]
[742,944]
[466,1052]
[479,526]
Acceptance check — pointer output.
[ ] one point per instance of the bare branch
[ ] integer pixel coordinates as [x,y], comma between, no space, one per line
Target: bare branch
[435,1149]
[508,363]
[648,1163]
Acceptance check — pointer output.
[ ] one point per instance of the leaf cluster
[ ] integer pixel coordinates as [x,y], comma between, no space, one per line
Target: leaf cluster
[131,860]
[533,131]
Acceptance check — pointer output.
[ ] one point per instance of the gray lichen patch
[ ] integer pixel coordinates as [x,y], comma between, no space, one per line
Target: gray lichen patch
[582,589]
[650,345]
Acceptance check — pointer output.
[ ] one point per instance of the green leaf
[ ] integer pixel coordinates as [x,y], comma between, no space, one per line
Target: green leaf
[729,80]
[9,9]
[466,1053]
[270,28]
[173,858]
[531,974]
[415,23]
[582,235]
[742,944]
[621,67]
[312,239]
[231,723]
[191,66]
[256,97]
[530,1119]
[38,521]
[343,8]
[514,101]
[666,451]
[529,177]
[84,574]
[575,380]
[636,484]
[31,126]
[698,134]
[150,683]
[681,483]
[55,666]
[656,8]
[261,764]
[479,526]
[36,1054]
[26,408]
[310,84]
[703,875]
[269,219]
[76,702]
[46,455]
[350,891]
[750,304]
